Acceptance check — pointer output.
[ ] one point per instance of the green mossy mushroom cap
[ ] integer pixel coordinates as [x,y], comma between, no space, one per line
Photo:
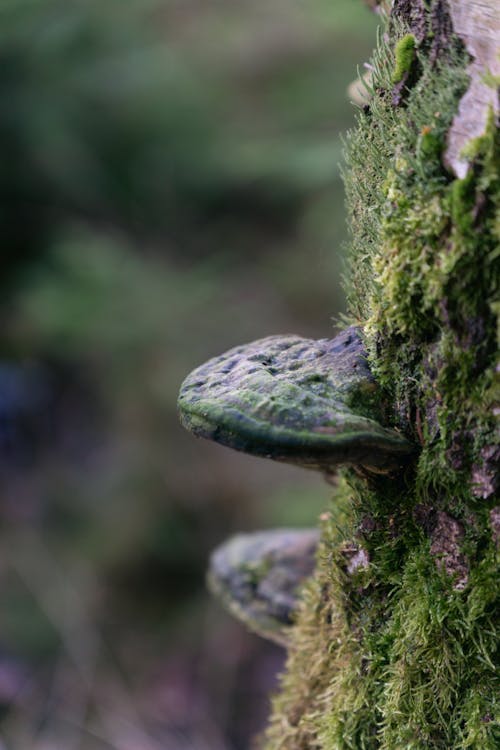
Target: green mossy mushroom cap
[312,403]
[258,576]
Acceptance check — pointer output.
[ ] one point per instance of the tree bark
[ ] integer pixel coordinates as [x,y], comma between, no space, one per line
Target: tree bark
[399,653]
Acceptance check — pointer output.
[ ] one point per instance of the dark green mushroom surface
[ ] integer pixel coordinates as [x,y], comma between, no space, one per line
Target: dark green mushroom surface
[258,577]
[313,403]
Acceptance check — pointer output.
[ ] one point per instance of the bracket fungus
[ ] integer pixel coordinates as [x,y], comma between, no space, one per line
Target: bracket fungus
[258,577]
[314,403]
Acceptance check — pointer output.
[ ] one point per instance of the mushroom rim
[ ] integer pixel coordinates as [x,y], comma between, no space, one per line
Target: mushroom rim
[381,447]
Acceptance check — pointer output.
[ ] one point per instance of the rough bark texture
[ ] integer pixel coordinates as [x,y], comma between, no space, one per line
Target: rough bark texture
[478,25]
[395,642]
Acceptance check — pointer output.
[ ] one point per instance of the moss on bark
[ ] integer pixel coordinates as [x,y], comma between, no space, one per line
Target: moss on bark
[398,652]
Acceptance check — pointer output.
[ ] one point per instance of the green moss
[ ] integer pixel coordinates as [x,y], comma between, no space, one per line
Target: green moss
[410,662]
[405,55]
[491,80]
[321,643]
[413,667]
[462,203]
[429,146]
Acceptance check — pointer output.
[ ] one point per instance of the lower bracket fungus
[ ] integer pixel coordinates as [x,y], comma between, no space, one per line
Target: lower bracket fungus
[258,577]
[314,403]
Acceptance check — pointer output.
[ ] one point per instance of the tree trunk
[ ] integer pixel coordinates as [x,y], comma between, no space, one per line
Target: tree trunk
[394,648]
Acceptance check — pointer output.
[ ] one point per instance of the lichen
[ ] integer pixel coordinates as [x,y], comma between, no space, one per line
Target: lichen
[409,660]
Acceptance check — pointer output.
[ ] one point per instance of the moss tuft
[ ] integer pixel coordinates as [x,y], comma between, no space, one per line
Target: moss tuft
[405,55]
[321,643]
[462,194]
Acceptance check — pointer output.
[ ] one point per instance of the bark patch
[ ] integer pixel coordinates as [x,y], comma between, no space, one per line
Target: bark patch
[485,475]
[495,524]
[477,23]
[446,539]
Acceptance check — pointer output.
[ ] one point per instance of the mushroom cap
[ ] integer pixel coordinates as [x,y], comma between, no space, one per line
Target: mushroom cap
[258,576]
[312,403]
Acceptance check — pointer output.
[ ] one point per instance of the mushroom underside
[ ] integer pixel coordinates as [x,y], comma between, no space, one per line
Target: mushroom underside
[258,577]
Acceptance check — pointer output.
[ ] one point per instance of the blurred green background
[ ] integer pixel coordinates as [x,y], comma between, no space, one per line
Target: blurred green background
[169,180]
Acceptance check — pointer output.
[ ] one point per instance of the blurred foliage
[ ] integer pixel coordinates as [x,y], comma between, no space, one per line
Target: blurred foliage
[108,116]
[169,187]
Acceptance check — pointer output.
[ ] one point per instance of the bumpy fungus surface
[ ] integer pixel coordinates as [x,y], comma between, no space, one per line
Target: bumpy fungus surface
[314,403]
[258,576]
